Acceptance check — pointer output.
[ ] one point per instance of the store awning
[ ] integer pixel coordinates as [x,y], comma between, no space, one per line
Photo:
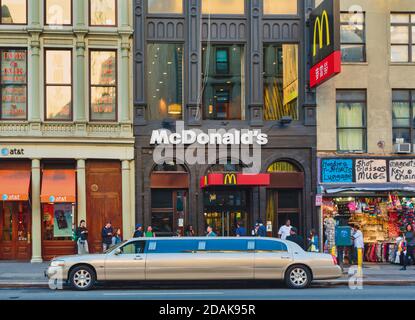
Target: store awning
[379,187]
[58,186]
[235,179]
[14,185]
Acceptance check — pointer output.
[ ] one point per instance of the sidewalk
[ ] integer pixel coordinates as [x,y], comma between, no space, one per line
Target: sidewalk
[20,274]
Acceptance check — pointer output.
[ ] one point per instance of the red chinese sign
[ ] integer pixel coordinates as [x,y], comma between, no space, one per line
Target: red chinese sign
[325,69]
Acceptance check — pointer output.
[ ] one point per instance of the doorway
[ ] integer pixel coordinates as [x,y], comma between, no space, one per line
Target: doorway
[15,231]
[224,209]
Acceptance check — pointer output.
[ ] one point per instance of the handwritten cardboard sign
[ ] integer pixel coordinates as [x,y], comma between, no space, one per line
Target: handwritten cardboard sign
[371,171]
[337,170]
[402,170]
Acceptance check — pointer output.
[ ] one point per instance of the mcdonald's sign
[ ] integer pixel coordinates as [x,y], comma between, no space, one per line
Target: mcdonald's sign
[325,42]
[229,179]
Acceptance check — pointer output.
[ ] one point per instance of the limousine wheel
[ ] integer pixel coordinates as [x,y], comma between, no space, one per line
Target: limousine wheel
[298,277]
[82,278]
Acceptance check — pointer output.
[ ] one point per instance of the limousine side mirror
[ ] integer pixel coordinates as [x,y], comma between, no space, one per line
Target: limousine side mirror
[117,251]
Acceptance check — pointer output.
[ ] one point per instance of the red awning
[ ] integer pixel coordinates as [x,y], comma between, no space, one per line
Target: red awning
[14,185]
[58,186]
[235,179]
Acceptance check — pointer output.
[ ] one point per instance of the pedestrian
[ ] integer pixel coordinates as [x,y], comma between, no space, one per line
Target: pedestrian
[409,238]
[138,233]
[82,236]
[260,230]
[358,243]
[294,237]
[116,239]
[149,233]
[284,231]
[210,232]
[240,230]
[313,245]
[107,233]
[189,232]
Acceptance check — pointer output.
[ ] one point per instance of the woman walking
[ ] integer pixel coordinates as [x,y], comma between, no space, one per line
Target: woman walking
[313,241]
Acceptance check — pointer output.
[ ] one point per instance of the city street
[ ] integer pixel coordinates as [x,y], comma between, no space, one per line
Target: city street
[256,293]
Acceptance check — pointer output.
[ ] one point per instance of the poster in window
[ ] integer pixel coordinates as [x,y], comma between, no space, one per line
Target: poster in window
[13,67]
[290,75]
[63,218]
[13,100]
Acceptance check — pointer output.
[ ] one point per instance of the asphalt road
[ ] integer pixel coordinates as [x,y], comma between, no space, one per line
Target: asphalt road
[315,293]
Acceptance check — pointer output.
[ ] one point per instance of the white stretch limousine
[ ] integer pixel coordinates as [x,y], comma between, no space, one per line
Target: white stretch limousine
[196,258]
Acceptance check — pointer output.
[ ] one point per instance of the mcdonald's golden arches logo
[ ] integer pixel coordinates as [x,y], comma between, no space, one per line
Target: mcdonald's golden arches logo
[230,179]
[320,24]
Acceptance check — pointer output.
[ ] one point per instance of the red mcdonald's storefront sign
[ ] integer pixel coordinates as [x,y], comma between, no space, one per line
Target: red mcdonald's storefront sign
[235,179]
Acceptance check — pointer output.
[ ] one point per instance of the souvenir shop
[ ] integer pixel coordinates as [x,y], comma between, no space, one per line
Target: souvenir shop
[382,218]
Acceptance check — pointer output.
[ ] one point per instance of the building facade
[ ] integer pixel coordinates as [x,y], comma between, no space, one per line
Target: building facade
[66,133]
[224,64]
[365,123]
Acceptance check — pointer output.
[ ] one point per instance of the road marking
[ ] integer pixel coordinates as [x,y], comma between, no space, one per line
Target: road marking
[162,293]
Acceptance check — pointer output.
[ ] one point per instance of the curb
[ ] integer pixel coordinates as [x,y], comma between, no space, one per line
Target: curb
[17,284]
[366,282]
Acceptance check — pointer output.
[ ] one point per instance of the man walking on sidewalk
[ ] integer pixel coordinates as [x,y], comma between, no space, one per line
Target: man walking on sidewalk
[358,243]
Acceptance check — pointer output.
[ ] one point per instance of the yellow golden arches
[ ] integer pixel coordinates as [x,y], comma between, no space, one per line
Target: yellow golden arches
[320,25]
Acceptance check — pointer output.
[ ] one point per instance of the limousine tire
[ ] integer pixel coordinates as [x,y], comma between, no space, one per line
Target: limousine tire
[82,278]
[298,277]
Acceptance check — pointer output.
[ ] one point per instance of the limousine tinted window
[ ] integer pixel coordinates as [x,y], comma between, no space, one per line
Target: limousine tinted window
[172,246]
[133,247]
[227,245]
[270,245]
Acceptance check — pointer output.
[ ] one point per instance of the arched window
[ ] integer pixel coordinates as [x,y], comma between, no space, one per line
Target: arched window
[282,166]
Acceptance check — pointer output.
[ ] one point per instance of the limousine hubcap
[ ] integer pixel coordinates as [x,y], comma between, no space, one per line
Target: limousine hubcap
[82,278]
[298,276]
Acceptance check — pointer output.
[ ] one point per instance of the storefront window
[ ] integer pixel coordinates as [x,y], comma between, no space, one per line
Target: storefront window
[58,84]
[403,116]
[280,81]
[351,120]
[13,82]
[58,221]
[165,81]
[103,12]
[223,82]
[352,32]
[282,166]
[165,6]
[280,7]
[58,12]
[13,11]
[223,6]
[103,85]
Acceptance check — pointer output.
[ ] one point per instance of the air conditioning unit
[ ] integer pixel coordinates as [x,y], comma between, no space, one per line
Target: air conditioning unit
[403,148]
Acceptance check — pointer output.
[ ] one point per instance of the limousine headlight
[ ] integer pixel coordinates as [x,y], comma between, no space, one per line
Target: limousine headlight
[57,263]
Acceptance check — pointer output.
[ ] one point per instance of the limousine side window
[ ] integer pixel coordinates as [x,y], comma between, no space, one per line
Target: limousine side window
[227,245]
[135,247]
[172,246]
[269,245]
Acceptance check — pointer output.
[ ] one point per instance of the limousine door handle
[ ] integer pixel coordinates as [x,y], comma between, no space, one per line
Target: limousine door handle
[138,258]
[285,257]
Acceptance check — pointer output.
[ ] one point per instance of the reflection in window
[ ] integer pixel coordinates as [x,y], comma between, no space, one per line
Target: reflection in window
[58,12]
[58,84]
[352,31]
[13,11]
[165,6]
[222,81]
[164,81]
[103,82]
[103,12]
[13,83]
[223,6]
[280,81]
[280,7]
[402,43]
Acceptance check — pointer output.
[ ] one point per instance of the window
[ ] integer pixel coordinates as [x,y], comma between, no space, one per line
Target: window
[13,82]
[283,166]
[402,37]
[103,85]
[223,6]
[351,120]
[165,6]
[13,11]
[103,13]
[58,98]
[58,12]
[223,82]
[135,247]
[403,115]
[269,245]
[165,81]
[280,81]
[352,33]
[58,221]
[175,246]
[280,7]
[227,245]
